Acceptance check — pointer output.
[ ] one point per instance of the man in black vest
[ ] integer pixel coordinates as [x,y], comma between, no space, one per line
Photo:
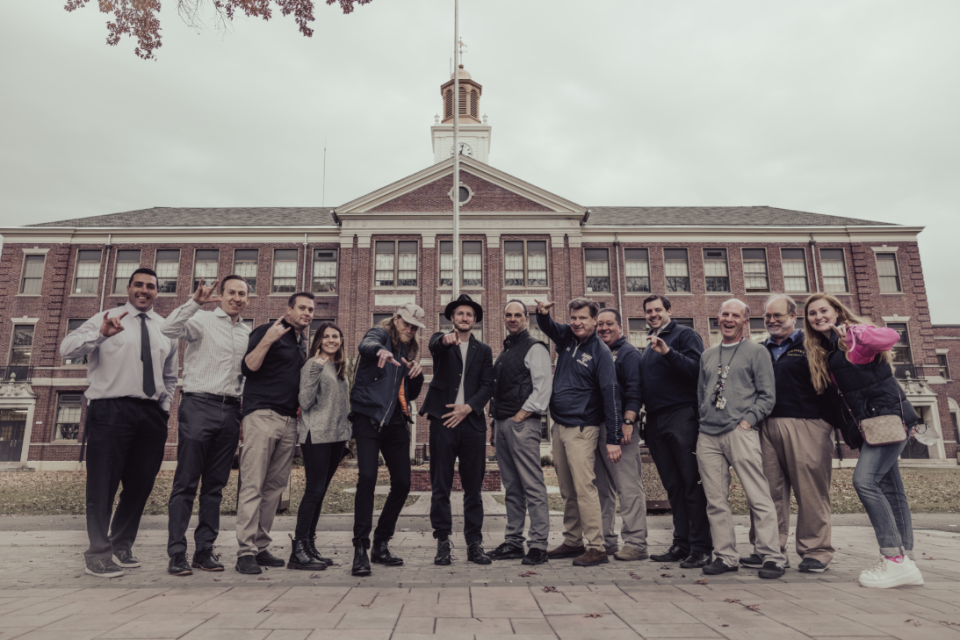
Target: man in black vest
[522,385]
[459,392]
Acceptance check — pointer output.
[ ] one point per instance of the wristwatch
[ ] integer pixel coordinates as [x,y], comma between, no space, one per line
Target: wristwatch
[627,421]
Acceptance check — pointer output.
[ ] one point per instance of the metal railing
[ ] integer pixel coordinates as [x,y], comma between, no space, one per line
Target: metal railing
[903,370]
[16,372]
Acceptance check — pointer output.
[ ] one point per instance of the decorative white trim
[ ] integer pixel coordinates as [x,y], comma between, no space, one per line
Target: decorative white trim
[24,320]
[428,240]
[493,240]
[885,249]
[36,251]
[469,194]
[393,300]
[942,352]
[895,318]
[445,298]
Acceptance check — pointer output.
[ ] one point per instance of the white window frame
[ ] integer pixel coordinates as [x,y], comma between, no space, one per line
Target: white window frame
[629,263]
[445,263]
[396,264]
[120,278]
[327,288]
[251,281]
[747,276]
[596,264]
[843,262]
[526,264]
[881,278]
[667,275]
[78,405]
[208,279]
[726,266]
[785,261]
[77,277]
[162,278]
[295,261]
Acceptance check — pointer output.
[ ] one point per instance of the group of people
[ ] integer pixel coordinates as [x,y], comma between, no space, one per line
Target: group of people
[766,410]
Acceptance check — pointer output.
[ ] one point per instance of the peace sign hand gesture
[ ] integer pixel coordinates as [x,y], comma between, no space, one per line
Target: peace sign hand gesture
[203,294]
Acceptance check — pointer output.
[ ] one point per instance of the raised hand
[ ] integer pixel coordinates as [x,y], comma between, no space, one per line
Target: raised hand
[385,357]
[658,345]
[111,326]
[452,338]
[455,417]
[273,333]
[841,330]
[321,357]
[413,369]
[544,307]
[203,294]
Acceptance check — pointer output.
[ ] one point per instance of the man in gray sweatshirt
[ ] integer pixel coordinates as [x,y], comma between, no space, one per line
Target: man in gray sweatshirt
[735,391]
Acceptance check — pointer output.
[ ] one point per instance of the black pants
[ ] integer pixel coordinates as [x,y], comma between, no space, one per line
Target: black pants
[672,439]
[392,441]
[320,462]
[206,444]
[446,445]
[125,442]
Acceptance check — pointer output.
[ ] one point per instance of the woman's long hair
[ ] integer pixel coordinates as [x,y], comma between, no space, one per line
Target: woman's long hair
[339,358]
[816,344]
[413,347]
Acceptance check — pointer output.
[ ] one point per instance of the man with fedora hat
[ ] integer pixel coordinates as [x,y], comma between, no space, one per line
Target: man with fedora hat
[461,387]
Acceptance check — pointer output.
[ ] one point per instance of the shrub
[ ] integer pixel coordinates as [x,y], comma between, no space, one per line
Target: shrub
[546,461]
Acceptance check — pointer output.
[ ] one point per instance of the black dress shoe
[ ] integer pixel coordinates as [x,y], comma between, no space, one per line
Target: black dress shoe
[535,556]
[207,560]
[126,559]
[361,563]
[247,565]
[506,551]
[718,567]
[696,561]
[674,554]
[267,559]
[771,570]
[178,565]
[312,550]
[476,555]
[752,561]
[300,559]
[381,554]
[443,552]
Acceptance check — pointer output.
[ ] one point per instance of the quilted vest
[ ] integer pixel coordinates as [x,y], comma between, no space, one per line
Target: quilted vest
[512,384]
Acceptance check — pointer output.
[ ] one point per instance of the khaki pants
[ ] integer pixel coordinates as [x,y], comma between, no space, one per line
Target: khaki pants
[798,455]
[268,443]
[621,480]
[741,450]
[574,454]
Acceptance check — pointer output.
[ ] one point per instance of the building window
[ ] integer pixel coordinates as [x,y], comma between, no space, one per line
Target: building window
[245,264]
[325,271]
[380,317]
[314,325]
[285,270]
[537,332]
[448,104]
[168,269]
[597,263]
[887,271]
[128,261]
[69,406]
[943,365]
[21,348]
[715,270]
[834,271]
[677,270]
[447,326]
[32,274]
[902,356]
[758,330]
[206,266]
[474,104]
[396,263]
[637,332]
[471,259]
[637,267]
[88,272]
[462,101]
[248,322]
[525,263]
[73,325]
[794,270]
[755,270]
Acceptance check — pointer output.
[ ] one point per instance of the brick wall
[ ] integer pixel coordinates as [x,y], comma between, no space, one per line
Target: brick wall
[420,480]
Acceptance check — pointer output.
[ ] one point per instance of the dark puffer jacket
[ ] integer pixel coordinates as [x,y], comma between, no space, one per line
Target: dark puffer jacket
[869,390]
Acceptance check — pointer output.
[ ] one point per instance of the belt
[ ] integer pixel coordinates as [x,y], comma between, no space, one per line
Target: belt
[210,397]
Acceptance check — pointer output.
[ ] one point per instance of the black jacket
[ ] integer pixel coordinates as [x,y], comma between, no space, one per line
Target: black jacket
[447,371]
[375,390]
[669,382]
[796,395]
[276,384]
[626,358]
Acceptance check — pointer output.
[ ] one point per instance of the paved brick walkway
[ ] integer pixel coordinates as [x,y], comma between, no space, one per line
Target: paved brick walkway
[44,594]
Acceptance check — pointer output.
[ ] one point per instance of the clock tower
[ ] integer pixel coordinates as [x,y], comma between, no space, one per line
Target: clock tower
[474,134]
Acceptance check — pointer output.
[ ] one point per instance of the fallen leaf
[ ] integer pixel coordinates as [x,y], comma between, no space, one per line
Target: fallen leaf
[262,578]
[666,575]
[733,600]
[527,574]
[550,590]
[365,605]
[724,625]
[593,615]
[635,576]
[314,575]
[700,582]
[752,607]
[666,566]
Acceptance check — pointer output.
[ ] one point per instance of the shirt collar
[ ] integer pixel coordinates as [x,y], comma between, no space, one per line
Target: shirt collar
[619,343]
[792,338]
[134,312]
[220,313]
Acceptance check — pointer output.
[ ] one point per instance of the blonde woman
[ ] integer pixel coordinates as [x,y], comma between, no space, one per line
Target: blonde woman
[855,357]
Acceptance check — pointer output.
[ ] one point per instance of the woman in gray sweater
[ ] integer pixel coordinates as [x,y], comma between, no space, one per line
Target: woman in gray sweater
[323,434]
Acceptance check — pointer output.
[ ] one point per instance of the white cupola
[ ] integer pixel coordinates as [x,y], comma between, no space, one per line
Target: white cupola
[474,133]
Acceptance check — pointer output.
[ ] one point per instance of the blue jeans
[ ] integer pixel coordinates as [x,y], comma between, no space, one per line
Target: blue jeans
[877,481]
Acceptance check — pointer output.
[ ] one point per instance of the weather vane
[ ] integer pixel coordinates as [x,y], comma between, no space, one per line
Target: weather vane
[462,47]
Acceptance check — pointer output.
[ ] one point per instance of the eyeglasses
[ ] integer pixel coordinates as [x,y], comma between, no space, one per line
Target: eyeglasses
[776,316]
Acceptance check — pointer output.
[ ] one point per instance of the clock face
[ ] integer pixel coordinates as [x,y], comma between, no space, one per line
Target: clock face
[465,150]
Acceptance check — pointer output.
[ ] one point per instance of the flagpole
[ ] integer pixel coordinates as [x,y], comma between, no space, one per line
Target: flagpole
[456,149]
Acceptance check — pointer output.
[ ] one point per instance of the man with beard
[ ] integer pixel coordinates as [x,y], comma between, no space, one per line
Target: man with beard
[736,391]
[456,400]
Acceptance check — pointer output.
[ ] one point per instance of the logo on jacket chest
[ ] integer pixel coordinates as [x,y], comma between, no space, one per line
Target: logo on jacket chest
[585,359]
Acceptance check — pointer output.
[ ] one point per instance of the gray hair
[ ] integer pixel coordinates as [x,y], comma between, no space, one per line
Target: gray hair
[791,303]
[746,307]
[522,304]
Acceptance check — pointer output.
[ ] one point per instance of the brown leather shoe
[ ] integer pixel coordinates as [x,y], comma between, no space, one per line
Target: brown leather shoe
[565,551]
[591,558]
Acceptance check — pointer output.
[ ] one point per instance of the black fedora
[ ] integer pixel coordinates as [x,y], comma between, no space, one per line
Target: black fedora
[464,299]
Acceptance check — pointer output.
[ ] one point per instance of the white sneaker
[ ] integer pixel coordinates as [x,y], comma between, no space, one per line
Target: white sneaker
[886,574]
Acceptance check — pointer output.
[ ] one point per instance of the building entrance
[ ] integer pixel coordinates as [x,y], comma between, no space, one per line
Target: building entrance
[13,424]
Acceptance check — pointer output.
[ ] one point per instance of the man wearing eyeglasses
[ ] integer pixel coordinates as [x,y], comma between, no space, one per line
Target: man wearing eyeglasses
[795,443]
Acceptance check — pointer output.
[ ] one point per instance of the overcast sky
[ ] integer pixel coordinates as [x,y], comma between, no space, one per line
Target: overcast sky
[839,107]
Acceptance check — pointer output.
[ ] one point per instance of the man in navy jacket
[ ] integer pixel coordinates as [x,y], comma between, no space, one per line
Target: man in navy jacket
[585,396]
[669,370]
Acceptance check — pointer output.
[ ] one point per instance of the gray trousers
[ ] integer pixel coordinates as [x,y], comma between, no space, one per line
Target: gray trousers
[518,454]
[621,480]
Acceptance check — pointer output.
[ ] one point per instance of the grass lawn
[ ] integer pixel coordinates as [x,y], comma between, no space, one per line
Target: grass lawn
[62,493]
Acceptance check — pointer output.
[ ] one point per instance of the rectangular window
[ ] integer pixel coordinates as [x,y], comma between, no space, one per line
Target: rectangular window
[206,266]
[396,264]
[325,270]
[597,263]
[285,270]
[944,366]
[380,317]
[69,406]
[525,263]
[887,271]
[128,261]
[32,274]
[684,322]
[677,270]
[471,263]
[88,271]
[794,270]
[21,349]
[715,270]
[73,325]
[314,325]
[537,332]
[715,336]
[637,332]
[245,264]
[902,356]
[168,269]
[834,271]
[755,270]
[637,267]
[447,326]
[758,330]
[248,322]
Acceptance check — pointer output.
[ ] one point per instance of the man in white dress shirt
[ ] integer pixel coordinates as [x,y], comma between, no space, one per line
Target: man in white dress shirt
[209,416]
[132,369]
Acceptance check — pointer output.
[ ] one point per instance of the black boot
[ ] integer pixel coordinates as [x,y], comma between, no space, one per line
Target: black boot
[361,563]
[300,559]
[312,550]
[443,551]
[381,554]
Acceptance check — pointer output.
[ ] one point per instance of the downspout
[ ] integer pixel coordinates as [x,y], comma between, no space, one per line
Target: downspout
[303,282]
[813,255]
[106,269]
[616,248]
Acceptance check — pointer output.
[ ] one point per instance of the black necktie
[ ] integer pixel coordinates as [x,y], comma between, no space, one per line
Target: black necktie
[302,344]
[146,357]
